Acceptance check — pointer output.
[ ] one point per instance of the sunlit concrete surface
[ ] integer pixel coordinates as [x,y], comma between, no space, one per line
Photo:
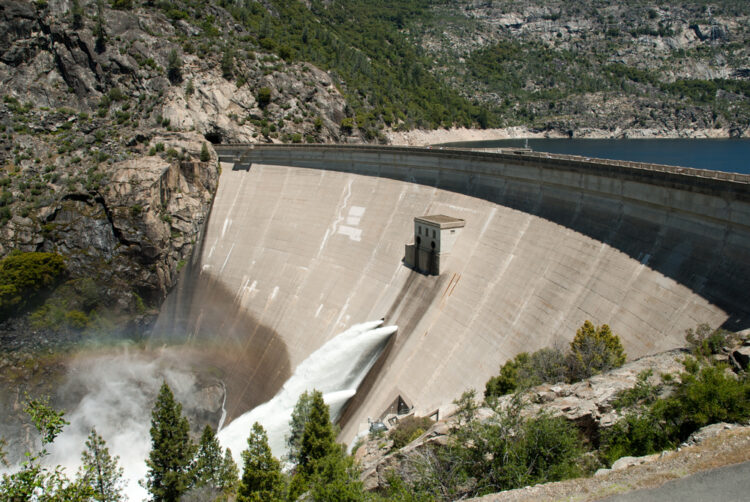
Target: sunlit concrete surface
[307,242]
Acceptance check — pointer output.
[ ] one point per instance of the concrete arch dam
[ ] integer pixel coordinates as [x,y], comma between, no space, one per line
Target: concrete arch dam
[304,241]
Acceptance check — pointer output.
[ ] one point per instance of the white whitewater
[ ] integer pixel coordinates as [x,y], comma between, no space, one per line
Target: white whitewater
[336,369]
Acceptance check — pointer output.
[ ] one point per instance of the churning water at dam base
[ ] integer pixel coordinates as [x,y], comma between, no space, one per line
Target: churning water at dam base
[118,390]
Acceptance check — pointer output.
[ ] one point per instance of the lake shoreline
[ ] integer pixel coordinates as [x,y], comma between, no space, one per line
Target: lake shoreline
[423,137]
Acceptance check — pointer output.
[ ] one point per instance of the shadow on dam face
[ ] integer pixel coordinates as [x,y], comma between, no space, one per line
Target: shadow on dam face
[250,359]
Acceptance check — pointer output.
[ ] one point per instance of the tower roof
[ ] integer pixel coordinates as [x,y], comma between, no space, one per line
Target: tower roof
[441,221]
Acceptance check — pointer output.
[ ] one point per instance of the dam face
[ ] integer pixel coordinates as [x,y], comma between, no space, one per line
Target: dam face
[307,241]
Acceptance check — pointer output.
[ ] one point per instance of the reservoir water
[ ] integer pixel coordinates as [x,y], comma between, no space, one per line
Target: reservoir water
[729,155]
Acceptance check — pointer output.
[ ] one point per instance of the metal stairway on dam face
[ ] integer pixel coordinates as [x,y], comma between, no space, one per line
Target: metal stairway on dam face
[310,240]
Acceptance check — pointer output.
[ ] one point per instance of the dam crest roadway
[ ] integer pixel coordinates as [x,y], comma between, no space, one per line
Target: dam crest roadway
[305,240]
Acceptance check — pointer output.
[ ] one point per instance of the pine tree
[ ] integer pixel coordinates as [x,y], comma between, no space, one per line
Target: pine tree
[262,480]
[208,466]
[229,473]
[205,155]
[300,416]
[324,468]
[100,470]
[169,463]
[319,438]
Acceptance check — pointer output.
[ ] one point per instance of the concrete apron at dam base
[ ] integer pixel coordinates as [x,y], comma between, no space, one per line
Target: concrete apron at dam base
[306,241]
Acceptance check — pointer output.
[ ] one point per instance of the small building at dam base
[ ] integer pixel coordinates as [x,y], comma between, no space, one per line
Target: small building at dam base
[434,237]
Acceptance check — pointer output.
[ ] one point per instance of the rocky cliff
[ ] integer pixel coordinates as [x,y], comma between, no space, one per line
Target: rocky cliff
[107,126]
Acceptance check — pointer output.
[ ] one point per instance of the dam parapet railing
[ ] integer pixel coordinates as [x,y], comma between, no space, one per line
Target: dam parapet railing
[515,155]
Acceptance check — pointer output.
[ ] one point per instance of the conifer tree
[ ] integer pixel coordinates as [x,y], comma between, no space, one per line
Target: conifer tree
[229,473]
[169,463]
[300,416]
[100,471]
[262,480]
[324,468]
[209,468]
[205,155]
[319,438]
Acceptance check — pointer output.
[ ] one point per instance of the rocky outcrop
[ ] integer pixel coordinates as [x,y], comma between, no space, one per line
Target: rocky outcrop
[102,143]
[589,403]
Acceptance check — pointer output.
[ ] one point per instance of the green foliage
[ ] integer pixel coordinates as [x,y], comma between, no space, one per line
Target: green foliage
[644,392]
[100,471]
[100,33]
[264,97]
[636,434]
[205,156]
[209,469]
[704,342]
[76,14]
[501,453]
[318,438]
[262,480]
[33,480]
[24,275]
[300,417]
[507,381]
[169,462]
[174,67]
[595,350]
[409,429]
[347,125]
[348,38]
[337,480]
[705,394]
[122,4]
[227,64]
[712,395]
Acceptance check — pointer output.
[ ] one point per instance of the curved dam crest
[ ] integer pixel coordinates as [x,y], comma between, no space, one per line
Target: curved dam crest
[306,241]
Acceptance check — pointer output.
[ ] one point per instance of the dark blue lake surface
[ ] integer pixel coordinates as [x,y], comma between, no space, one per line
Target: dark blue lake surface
[730,155]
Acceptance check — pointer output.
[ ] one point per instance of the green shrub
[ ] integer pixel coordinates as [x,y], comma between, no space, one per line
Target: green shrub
[704,342]
[643,392]
[634,435]
[547,365]
[24,275]
[264,97]
[594,350]
[347,125]
[502,453]
[408,429]
[77,319]
[709,396]
[705,395]
[507,381]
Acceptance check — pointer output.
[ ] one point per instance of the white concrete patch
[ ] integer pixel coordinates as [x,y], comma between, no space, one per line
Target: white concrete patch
[354,234]
[355,214]
[352,221]
[227,258]
[227,224]
[253,289]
